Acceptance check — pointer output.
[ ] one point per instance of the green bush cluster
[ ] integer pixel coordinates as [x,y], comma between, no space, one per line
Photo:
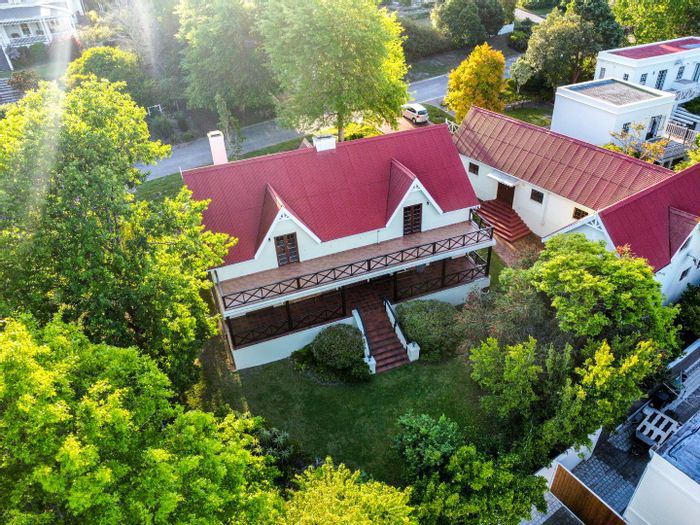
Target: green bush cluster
[431,324]
[31,56]
[538,4]
[422,41]
[693,105]
[337,353]
[689,317]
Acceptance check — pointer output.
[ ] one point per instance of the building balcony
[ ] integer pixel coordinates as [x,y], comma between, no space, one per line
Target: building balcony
[685,89]
[294,281]
[277,321]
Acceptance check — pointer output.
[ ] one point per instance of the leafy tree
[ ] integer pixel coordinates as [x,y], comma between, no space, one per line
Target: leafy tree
[521,72]
[560,47]
[492,15]
[335,60]
[599,13]
[115,65]
[477,81]
[509,10]
[476,490]
[689,315]
[654,20]
[601,294]
[223,60]
[460,20]
[337,495]
[89,435]
[24,80]
[426,444]
[508,374]
[76,242]
[632,142]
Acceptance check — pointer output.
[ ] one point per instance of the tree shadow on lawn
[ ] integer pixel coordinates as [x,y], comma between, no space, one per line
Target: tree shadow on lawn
[355,424]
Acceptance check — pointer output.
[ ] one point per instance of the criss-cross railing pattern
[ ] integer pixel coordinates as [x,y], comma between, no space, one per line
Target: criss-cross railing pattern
[338,273]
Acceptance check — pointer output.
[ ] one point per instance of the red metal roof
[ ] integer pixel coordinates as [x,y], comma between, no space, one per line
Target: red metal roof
[584,173]
[660,49]
[655,222]
[335,193]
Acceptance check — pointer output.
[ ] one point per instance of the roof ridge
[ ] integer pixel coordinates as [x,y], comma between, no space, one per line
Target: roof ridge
[587,145]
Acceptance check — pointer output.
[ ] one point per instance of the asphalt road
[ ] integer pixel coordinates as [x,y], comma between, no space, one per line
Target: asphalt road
[264,134]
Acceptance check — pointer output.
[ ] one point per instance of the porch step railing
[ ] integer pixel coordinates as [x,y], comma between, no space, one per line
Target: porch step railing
[366,266]
[411,347]
[369,358]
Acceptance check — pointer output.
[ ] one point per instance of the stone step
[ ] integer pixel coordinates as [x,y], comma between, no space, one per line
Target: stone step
[506,222]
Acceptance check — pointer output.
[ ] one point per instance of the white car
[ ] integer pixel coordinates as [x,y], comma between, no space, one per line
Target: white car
[415,113]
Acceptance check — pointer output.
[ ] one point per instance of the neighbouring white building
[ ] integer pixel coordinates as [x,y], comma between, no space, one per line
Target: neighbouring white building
[669,491]
[660,224]
[337,233]
[532,179]
[591,111]
[27,22]
[671,65]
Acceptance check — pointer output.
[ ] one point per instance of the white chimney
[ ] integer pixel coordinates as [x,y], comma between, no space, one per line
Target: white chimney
[324,142]
[218,147]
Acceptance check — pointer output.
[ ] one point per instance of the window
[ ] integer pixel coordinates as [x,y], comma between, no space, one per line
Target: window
[286,248]
[412,219]
[537,196]
[473,168]
[626,76]
[681,70]
[626,127]
[696,73]
[684,274]
[643,79]
[579,213]
[602,72]
[661,79]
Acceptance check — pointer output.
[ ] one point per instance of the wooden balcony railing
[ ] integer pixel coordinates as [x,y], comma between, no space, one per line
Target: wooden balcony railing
[366,266]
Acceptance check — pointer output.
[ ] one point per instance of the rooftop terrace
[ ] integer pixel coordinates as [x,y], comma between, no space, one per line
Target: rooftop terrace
[614,92]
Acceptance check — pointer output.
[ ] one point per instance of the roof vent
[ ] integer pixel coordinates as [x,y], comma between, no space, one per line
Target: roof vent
[324,142]
[218,147]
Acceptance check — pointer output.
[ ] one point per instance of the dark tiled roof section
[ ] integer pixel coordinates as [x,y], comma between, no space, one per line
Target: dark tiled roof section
[584,173]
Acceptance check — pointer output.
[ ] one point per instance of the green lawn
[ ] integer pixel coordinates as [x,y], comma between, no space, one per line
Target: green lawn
[438,115]
[538,116]
[276,148]
[354,424]
[539,11]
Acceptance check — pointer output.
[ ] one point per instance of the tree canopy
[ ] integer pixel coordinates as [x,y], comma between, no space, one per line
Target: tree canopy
[336,60]
[477,81]
[460,20]
[654,20]
[599,13]
[74,240]
[89,435]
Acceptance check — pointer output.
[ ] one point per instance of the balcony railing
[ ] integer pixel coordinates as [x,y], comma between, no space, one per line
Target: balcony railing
[367,266]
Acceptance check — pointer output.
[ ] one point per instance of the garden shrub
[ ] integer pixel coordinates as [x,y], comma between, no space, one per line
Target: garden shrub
[689,317]
[422,41]
[340,348]
[518,40]
[693,106]
[425,443]
[38,53]
[431,324]
[161,127]
[360,131]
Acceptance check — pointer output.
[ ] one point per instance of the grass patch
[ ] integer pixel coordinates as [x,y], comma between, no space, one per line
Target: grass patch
[538,116]
[539,11]
[496,266]
[355,424]
[275,148]
[438,115]
[159,189]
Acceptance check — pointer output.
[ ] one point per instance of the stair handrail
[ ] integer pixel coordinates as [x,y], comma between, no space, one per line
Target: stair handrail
[411,347]
[369,358]
[480,221]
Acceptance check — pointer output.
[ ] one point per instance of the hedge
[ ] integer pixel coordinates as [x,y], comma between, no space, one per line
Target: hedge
[431,324]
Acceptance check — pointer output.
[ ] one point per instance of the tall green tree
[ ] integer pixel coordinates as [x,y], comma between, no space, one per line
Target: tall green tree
[492,15]
[115,65]
[336,60]
[223,59]
[561,46]
[77,243]
[90,435]
[477,490]
[330,494]
[460,20]
[601,294]
[654,20]
[478,81]
[599,13]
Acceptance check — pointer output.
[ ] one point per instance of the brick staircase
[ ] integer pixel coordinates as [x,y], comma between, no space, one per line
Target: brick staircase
[4,64]
[384,345]
[506,222]
[7,94]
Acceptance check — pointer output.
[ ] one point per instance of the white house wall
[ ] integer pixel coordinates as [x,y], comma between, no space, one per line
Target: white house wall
[664,496]
[553,213]
[309,248]
[670,276]
[617,66]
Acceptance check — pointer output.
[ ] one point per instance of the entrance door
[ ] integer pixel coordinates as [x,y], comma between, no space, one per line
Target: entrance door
[505,194]
[654,126]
